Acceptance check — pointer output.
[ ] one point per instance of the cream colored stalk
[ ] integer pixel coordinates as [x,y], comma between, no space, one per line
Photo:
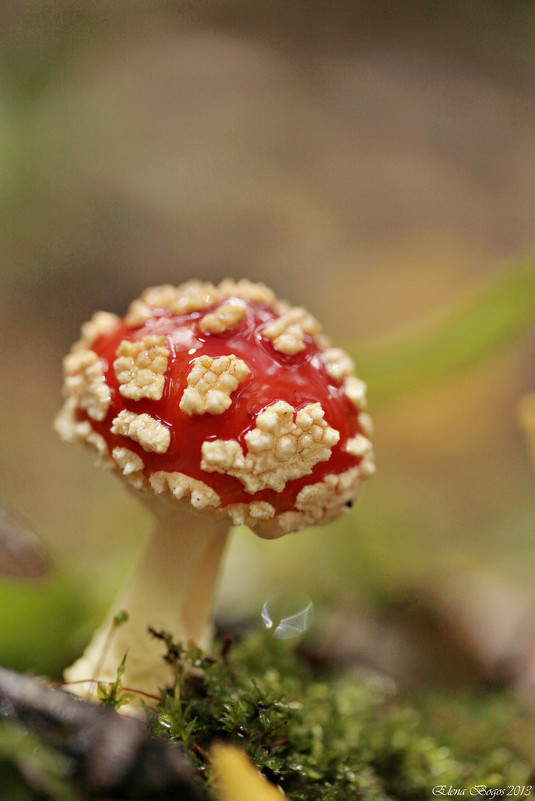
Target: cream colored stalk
[171,589]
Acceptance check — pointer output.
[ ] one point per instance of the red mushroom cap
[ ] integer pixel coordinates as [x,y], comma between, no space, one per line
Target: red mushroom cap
[224,397]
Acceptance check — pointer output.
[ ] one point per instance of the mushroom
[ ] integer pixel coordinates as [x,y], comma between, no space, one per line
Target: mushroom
[219,406]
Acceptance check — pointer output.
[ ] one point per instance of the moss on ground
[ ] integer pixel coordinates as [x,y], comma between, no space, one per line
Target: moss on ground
[349,736]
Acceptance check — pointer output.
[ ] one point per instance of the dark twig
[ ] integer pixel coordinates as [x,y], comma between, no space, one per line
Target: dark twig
[111,757]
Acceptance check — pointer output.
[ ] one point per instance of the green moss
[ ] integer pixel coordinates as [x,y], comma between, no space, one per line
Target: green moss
[344,737]
[318,740]
[494,732]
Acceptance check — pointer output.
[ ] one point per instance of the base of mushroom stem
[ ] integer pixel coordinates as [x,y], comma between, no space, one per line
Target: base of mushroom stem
[171,590]
[145,670]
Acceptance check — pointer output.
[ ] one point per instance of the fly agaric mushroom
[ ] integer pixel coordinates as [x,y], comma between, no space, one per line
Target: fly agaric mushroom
[218,405]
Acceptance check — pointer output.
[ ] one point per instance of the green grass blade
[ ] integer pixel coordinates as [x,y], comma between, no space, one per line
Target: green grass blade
[479,326]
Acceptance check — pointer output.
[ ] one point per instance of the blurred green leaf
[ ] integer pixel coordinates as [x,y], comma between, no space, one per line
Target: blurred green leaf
[498,313]
[36,624]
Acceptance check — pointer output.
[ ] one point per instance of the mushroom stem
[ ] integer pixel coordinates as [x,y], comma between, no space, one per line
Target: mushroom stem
[171,589]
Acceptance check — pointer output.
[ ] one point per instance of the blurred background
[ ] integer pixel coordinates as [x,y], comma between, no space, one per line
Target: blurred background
[371,161]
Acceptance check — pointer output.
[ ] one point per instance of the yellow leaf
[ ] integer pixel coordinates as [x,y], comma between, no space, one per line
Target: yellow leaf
[236,778]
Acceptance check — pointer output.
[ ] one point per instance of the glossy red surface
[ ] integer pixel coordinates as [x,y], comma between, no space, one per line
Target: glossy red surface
[300,379]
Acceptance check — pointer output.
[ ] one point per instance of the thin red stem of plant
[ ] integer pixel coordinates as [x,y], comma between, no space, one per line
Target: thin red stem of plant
[108,684]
